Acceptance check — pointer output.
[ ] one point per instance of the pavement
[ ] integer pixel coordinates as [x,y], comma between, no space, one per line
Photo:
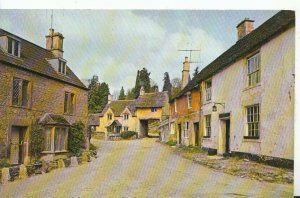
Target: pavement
[140,168]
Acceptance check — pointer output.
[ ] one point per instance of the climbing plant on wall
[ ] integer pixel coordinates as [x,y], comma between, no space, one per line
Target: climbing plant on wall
[36,140]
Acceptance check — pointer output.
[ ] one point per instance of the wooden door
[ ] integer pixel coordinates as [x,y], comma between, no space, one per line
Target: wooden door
[196,130]
[179,133]
[17,145]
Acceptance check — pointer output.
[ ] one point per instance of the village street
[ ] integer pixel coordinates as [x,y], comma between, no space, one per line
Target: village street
[140,168]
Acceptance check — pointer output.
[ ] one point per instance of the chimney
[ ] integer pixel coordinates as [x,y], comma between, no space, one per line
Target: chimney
[142,91]
[185,72]
[244,28]
[109,98]
[54,43]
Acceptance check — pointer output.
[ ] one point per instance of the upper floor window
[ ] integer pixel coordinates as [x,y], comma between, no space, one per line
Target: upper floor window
[125,116]
[69,103]
[207,131]
[109,116]
[252,122]
[20,95]
[125,128]
[153,109]
[189,101]
[253,69]
[13,47]
[62,67]
[208,90]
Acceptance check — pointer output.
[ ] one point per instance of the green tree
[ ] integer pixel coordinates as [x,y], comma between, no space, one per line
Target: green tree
[122,94]
[167,83]
[130,95]
[176,87]
[76,139]
[97,98]
[196,71]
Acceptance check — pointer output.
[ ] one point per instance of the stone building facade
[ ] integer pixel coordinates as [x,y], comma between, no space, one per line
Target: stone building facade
[37,86]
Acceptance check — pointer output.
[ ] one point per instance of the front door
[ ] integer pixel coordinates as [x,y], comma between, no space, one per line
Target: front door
[17,145]
[227,137]
[196,130]
[179,133]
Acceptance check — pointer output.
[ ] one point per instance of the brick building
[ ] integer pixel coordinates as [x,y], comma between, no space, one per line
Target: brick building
[37,85]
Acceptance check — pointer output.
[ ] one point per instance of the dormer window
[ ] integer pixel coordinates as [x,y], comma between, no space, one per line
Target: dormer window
[62,67]
[13,47]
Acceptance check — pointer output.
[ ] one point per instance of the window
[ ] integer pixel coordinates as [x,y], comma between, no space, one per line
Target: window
[253,70]
[186,129]
[109,116]
[207,131]
[172,128]
[153,109]
[175,106]
[58,142]
[13,47]
[252,122]
[20,96]
[62,68]
[60,139]
[125,116]
[189,100]
[208,90]
[69,103]
[109,129]
[125,128]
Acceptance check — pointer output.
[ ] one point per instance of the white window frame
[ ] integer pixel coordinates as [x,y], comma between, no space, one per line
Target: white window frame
[253,70]
[14,41]
[208,91]
[62,67]
[189,101]
[153,109]
[207,125]
[252,122]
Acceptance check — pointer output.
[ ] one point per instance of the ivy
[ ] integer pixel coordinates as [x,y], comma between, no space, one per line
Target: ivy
[76,139]
[36,140]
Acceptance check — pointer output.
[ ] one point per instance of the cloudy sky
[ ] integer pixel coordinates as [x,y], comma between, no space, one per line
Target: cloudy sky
[115,44]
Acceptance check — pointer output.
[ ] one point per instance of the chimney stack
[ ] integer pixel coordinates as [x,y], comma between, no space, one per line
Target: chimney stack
[54,43]
[142,91]
[109,98]
[185,72]
[244,27]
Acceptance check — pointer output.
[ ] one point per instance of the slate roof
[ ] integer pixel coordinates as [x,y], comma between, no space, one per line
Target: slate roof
[94,119]
[156,99]
[262,34]
[52,119]
[33,59]
[118,106]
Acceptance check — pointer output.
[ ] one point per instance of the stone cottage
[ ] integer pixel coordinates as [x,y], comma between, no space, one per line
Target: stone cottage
[37,86]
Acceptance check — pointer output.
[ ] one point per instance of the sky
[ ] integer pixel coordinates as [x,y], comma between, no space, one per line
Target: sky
[114,44]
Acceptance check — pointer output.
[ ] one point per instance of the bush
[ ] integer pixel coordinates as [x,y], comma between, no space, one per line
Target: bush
[76,139]
[93,147]
[171,143]
[36,140]
[4,163]
[127,134]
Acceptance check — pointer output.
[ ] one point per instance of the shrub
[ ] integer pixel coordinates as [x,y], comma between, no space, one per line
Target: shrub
[93,147]
[127,134]
[76,139]
[36,140]
[4,163]
[171,143]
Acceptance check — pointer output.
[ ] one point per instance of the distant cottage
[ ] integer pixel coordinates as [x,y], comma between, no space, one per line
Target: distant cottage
[37,85]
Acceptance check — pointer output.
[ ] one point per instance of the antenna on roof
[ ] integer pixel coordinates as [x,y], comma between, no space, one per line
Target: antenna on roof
[190,50]
[51,18]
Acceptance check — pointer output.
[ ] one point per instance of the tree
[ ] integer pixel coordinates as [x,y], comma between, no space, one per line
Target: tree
[196,71]
[142,79]
[97,97]
[122,94]
[167,83]
[130,95]
[176,86]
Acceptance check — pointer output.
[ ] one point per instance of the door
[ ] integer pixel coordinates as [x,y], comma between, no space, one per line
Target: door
[196,131]
[227,137]
[179,133]
[17,145]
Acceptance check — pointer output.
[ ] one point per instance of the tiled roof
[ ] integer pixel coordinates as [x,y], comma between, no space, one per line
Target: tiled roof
[33,58]
[52,119]
[156,99]
[262,34]
[94,119]
[118,106]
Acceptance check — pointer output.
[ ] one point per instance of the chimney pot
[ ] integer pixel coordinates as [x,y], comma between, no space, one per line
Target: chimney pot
[244,27]
[54,43]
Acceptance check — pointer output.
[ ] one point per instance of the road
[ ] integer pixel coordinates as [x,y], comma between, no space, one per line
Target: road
[140,168]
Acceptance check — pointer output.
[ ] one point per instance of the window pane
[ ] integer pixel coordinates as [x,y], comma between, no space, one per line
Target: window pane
[66,102]
[72,103]
[47,139]
[56,139]
[25,93]
[16,91]
[10,46]
[16,48]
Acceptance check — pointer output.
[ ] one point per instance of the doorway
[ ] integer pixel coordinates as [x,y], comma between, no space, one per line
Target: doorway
[227,136]
[17,149]
[179,133]
[196,131]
